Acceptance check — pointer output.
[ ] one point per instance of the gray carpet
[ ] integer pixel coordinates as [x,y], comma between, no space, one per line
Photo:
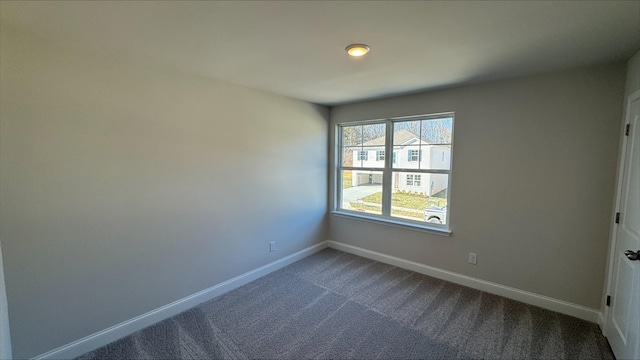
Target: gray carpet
[334,305]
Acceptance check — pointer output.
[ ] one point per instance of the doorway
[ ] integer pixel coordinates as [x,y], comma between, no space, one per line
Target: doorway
[622,323]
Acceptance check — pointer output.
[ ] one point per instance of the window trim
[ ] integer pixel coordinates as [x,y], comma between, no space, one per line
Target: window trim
[391,222]
[387,171]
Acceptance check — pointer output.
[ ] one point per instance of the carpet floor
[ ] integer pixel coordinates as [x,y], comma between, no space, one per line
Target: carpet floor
[334,305]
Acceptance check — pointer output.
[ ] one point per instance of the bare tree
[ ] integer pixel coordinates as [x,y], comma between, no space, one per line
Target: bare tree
[437,131]
[373,131]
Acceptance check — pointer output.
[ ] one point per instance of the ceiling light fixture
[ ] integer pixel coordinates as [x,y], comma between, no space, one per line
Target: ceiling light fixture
[357,50]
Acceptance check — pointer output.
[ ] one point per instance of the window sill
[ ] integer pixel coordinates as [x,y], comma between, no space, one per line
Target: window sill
[395,223]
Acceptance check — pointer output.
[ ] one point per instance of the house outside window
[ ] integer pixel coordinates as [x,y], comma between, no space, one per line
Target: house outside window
[413,180]
[413,185]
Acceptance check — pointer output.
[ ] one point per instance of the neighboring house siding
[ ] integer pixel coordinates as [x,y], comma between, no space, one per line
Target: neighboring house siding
[425,156]
[365,177]
[371,160]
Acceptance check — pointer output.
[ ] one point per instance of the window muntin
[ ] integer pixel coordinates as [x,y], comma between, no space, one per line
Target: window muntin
[424,144]
[411,186]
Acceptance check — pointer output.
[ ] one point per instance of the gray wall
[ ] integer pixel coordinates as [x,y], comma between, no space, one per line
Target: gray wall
[534,165]
[633,75]
[124,188]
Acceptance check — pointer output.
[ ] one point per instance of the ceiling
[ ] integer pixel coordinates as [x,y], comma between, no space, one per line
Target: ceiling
[296,48]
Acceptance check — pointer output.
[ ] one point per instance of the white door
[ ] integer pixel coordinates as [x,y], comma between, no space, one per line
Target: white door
[623,323]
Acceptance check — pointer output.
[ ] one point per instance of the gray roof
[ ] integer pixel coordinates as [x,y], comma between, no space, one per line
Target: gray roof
[399,137]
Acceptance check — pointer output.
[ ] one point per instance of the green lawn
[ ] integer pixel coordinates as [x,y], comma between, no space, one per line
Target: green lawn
[408,200]
[402,200]
[378,210]
[367,208]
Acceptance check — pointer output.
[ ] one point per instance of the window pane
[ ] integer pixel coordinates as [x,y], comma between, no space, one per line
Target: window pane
[373,135]
[351,135]
[351,141]
[436,134]
[423,144]
[437,131]
[362,191]
[363,145]
[439,157]
[419,196]
[407,144]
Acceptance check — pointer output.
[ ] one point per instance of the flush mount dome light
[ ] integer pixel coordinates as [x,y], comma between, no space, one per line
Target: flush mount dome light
[357,50]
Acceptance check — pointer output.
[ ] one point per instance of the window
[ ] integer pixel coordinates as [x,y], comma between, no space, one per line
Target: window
[413,180]
[411,187]
[415,155]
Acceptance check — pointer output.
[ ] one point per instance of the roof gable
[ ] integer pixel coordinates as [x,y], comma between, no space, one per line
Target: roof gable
[401,137]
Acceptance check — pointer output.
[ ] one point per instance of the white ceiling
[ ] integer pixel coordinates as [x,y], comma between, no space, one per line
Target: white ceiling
[296,48]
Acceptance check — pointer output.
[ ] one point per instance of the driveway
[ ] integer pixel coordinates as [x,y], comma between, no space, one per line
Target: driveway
[358,192]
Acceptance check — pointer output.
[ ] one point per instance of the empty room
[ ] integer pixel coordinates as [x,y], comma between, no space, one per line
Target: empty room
[319,179]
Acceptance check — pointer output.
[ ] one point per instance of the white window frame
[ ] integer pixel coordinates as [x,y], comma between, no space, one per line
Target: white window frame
[363,155]
[379,155]
[388,170]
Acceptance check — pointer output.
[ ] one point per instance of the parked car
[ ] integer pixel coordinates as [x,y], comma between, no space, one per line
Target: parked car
[435,214]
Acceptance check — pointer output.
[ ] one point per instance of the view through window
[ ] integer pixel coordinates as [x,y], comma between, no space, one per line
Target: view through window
[412,184]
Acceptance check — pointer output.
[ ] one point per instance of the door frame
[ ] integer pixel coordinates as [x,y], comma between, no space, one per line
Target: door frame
[622,151]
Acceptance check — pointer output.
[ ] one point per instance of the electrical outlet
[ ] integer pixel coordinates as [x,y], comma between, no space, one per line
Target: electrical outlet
[272,246]
[473,258]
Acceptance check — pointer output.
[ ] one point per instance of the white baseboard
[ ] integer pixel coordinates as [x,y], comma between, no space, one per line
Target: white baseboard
[542,301]
[106,336]
[601,323]
[128,327]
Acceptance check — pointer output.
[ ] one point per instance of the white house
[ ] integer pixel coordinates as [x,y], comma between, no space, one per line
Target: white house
[409,152]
